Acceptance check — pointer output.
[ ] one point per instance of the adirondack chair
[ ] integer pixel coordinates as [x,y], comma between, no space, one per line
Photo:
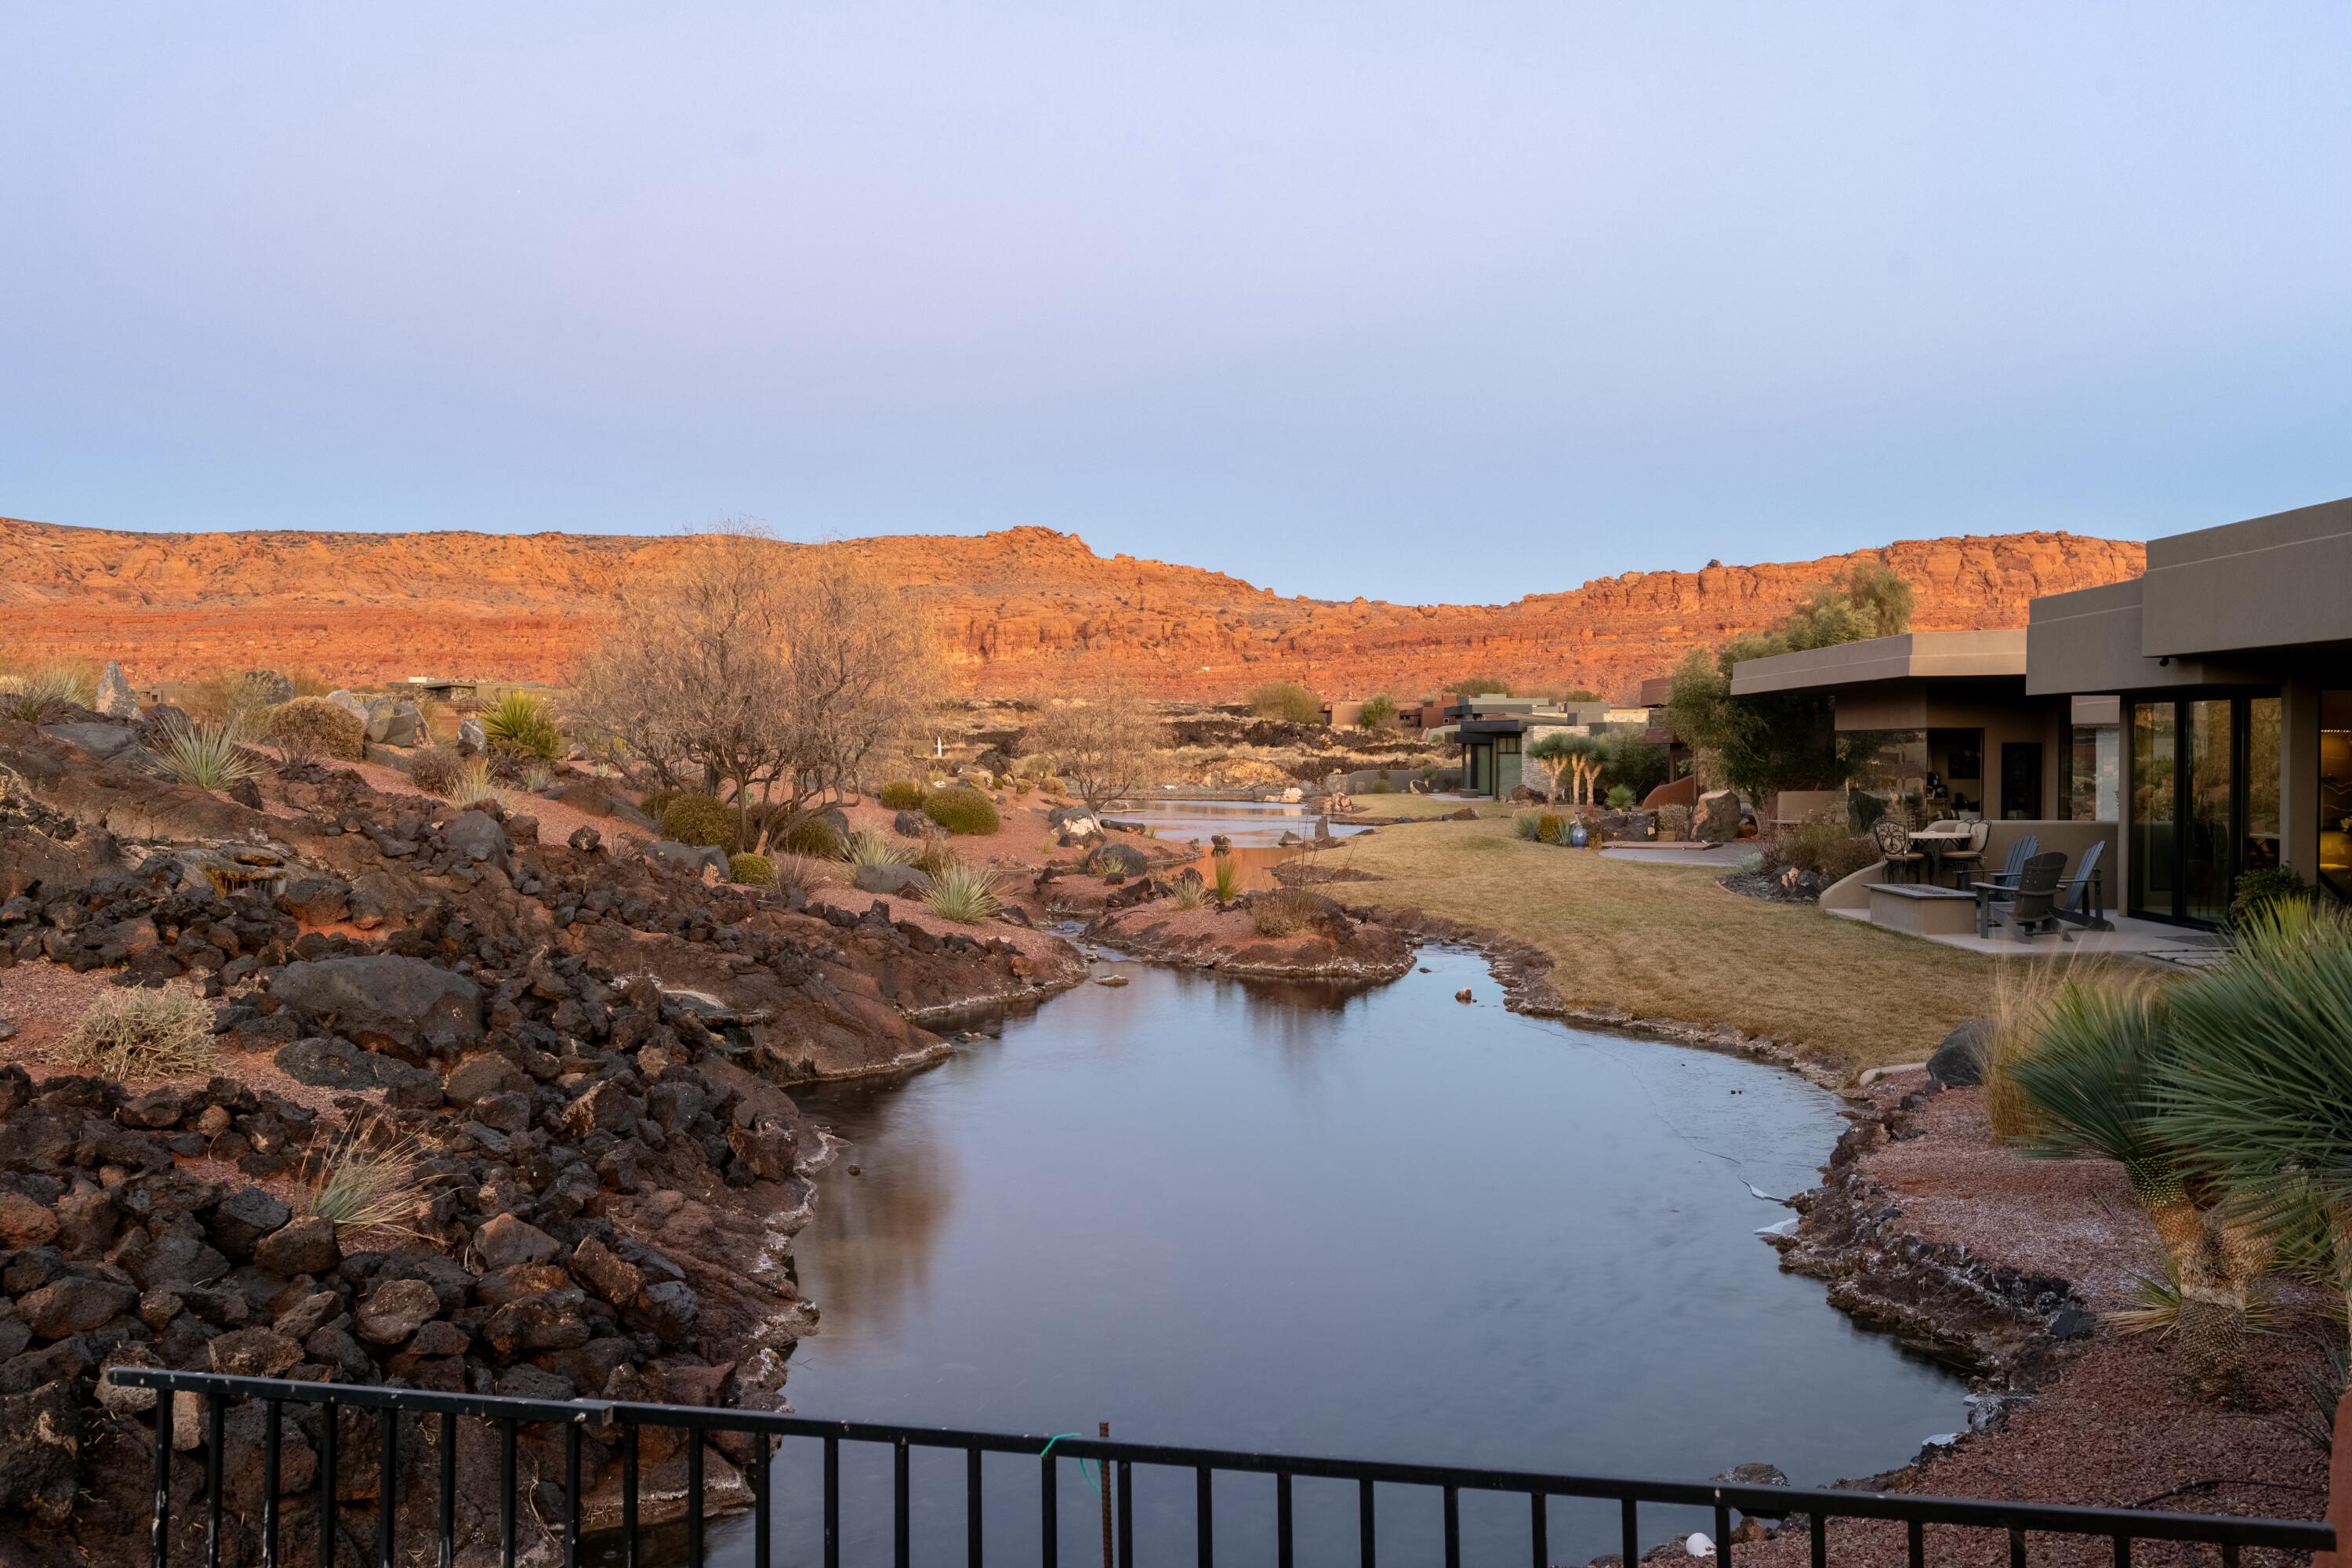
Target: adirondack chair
[2080,901]
[2020,853]
[2026,907]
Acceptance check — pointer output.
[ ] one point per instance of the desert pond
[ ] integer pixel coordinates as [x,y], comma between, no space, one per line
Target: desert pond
[1379,1223]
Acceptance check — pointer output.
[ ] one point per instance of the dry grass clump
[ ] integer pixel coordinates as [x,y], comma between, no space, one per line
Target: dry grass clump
[477,785]
[136,1032]
[2023,992]
[1285,911]
[1191,893]
[965,894]
[437,772]
[310,728]
[365,1179]
[43,693]
[868,847]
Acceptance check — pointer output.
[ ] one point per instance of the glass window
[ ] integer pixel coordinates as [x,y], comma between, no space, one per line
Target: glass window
[2095,775]
[2336,791]
[2205,840]
[2260,846]
[2154,785]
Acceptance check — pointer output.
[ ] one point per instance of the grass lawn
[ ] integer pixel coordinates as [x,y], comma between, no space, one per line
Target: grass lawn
[1402,804]
[1664,942]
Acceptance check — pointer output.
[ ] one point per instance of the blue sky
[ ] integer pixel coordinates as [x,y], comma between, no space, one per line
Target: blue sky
[1417,301]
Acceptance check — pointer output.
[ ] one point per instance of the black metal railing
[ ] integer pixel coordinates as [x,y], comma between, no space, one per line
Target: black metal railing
[1117,1461]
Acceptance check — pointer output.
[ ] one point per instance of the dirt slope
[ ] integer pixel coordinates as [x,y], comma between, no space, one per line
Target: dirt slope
[1018,609]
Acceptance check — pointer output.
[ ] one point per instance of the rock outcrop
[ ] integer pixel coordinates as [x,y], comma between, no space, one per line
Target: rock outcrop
[1011,608]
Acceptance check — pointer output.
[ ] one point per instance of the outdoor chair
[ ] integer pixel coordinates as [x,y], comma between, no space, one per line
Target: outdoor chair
[1971,857]
[2019,853]
[1894,849]
[2084,884]
[2029,907]
[1944,824]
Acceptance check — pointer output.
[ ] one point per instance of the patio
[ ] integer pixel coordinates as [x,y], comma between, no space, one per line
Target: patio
[2152,941]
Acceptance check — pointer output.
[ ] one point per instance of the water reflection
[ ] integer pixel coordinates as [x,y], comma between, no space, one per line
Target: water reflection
[1378,1223]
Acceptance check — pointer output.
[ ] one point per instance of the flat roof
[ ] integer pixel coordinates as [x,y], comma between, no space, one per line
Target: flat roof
[1907,656]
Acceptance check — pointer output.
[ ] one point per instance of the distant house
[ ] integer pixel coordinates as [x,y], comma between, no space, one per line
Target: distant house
[1493,733]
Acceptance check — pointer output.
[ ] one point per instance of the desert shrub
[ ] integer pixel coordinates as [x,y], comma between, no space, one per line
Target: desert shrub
[693,818]
[1481,686]
[476,785]
[436,772]
[1190,893]
[1752,863]
[1821,843]
[962,809]
[965,894]
[752,870]
[1376,712]
[1380,783]
[522,726]
[1285,911]
[365,1179]
[41,694]
[936,855]
[311,727]
[2258,891]
[2022,994]
[1225,875]
[137,1033]
[868,846]
[1529,824]
[1621,797]
[901,794]
[1551,827]
[1674,821]
[813,836]
[1287,700]
[239,697]
[208,756]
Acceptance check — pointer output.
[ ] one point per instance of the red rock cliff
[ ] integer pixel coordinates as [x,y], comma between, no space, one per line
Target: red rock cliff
[1018,609]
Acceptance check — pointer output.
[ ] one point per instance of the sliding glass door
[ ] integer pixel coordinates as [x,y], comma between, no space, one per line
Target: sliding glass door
[2204,802]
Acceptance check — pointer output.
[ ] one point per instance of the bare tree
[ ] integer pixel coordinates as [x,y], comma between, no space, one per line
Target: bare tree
[773,673]
[1103,736]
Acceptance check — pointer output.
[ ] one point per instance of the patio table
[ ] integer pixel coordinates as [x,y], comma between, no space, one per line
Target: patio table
[1936,846]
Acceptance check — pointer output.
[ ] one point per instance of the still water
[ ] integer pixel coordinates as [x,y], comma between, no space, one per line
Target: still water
[1253,829]
[1294,1217]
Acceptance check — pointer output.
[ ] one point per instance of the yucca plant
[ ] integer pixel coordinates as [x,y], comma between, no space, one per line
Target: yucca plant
[2089,1086]
[209,756]
[476,785]
[868,846]
[1190,893]
[38,696]
[365,1179]
[965,894]
[2261,1092]
[1528,824]
[523,726]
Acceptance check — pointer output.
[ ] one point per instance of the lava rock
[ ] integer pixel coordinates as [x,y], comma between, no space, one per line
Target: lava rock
[253,1352]
[504,1241]
[1959,1061]
[383,999]
[395,1309]
[244,1217]
[306,1246]
[897,881]
[41,1452]
[74,1305]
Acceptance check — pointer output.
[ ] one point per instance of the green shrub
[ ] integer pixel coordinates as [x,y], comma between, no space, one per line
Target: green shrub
[1528,826]
[965,894]
[311,727]
[901,794]
[436,772]
[1621,797]
[1380,783]
[960,809]
[521,725]
[1190,893]
[1551,827]
[752,870]
[2259,890]
[1287,700]
[205,755]
[692,818]
[1821,843]
[936,855]
[1376,712]
[813,836]
[140,1033]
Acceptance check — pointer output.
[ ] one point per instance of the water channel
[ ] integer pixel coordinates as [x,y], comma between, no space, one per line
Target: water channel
[1297,1217]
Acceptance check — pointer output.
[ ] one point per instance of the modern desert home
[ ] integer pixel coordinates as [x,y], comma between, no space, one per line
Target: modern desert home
[2230,660]
[2198,718]
[1493,732]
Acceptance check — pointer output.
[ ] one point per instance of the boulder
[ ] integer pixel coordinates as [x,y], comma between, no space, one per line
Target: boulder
[479,1077]
[383,999]
[693,859]
[611,1277]
[1716,818]
[306,1246]
[477,835]
[504,1241]
[1111,857]
[395,1309]
[767,1147]
[74,1305]
[897,881]
[322,1061]
[405,727]
[911,825]
[472,741]
[253,1352]
[115,699]
[244,1217]
[317,901]
[350,703]
[667,1311]
[1959,1061]
[24,1222]
[41,1452]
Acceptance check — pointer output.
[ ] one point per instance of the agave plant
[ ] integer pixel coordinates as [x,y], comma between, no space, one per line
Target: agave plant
[965,894]
[2089,1084]
[209,756]
[2261,1091]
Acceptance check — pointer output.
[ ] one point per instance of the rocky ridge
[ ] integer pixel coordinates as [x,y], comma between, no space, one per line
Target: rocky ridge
[1015,609]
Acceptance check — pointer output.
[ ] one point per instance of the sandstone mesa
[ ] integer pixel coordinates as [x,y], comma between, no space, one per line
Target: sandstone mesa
[1016,610]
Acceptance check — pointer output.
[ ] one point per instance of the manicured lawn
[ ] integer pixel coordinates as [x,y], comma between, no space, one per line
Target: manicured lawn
[1402,805]
[1664,942]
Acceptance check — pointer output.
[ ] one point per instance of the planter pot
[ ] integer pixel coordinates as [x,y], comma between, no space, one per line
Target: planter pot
[1578,837]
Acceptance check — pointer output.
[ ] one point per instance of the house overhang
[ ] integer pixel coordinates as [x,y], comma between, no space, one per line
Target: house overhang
[1909,656]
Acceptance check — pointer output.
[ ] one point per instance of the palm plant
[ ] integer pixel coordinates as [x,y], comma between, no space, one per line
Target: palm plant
[2262,1089]
[965,894]
[2089,1084]
[209,756]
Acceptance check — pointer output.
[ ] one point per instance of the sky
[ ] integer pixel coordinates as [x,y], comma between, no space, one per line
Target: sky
[1415,301]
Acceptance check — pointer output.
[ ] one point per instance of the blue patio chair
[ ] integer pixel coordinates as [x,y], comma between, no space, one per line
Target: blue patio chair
[2085,880]
[2021,851]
